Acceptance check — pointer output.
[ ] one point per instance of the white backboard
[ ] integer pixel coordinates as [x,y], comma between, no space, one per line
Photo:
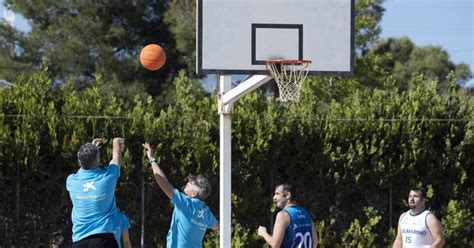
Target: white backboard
[238,36]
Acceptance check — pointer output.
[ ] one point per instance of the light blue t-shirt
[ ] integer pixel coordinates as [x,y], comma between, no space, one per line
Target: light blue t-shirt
[92,193]
[191,218]
[121,224]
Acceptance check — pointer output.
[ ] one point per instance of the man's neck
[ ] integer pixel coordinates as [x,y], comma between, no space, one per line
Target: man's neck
[290,203]
[417,211]
[90,168]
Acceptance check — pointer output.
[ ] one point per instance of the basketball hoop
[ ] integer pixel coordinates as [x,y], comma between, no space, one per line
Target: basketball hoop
[289,76]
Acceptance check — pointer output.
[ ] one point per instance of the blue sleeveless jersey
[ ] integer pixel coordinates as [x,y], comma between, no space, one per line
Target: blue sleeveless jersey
[299,233]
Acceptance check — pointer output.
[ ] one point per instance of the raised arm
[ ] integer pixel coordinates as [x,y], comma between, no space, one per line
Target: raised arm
[436,230]
[159,175]
[118,145]
[281,223]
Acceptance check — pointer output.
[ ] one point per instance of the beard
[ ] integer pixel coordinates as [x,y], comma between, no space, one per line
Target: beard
[412,205]
[281,204]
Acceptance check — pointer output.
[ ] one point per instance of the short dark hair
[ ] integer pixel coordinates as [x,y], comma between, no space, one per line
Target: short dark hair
[87,155]
[289,187]
[421,190]
[203,184]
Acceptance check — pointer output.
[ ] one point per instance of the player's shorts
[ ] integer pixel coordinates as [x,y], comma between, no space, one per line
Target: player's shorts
[101,240]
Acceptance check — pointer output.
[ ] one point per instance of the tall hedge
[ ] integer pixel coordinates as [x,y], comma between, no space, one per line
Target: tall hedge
[353,157]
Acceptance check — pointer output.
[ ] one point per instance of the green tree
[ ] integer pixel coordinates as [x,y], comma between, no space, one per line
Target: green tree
[368,15]
[181,18]
[79,39]
[406,59]
[17,53]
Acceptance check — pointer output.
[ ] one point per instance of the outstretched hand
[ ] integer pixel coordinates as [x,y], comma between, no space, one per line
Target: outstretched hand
[120,142]
[118,145]
[97,142]
[149,151]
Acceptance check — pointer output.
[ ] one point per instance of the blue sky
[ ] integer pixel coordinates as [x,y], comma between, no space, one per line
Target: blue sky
[446,23]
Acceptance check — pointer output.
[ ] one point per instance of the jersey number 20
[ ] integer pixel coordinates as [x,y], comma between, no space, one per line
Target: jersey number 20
[306,241]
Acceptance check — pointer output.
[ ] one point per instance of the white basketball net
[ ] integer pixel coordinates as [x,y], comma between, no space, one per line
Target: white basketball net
[289,76]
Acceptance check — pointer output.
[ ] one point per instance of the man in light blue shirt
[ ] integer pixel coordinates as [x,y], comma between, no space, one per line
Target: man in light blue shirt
[191,216]
[92,192]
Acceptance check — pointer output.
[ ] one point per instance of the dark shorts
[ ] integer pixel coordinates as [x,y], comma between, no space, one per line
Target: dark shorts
[102,240]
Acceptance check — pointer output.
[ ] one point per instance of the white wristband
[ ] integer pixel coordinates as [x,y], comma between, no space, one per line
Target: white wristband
[152,160]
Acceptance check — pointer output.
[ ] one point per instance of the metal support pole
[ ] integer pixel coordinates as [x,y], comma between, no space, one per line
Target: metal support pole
[227,96]
[225,191]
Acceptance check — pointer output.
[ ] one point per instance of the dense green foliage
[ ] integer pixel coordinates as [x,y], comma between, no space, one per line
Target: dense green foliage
[353,160]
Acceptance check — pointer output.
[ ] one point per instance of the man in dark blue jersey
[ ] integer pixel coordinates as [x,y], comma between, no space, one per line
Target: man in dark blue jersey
[293,226]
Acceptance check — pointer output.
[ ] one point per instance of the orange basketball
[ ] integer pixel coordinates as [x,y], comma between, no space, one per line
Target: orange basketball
[152,57]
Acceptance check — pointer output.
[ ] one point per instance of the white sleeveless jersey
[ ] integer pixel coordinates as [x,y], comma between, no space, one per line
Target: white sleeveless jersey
[415,231]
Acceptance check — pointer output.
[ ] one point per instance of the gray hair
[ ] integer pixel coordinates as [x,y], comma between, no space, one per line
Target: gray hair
[203,186]
[87,155]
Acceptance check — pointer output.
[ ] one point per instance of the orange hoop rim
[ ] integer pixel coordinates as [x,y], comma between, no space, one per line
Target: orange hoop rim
[288,61]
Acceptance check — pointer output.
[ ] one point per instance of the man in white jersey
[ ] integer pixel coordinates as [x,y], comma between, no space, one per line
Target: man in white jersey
[418,227]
